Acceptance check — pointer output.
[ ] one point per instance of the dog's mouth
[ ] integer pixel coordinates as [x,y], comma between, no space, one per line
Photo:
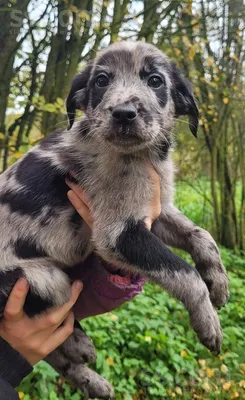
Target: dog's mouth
[117,275]
[124,135]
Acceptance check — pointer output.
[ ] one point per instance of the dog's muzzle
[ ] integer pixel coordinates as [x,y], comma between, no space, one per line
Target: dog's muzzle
[124,114]
[124,125]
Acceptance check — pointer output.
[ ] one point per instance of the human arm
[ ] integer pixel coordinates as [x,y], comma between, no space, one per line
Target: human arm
[25,341]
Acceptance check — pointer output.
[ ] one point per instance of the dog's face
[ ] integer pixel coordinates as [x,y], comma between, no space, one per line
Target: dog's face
[131,94]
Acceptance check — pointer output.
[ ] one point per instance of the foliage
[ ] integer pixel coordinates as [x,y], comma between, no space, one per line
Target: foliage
[148,351]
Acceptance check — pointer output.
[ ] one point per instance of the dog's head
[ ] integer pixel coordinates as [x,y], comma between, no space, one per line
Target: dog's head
[132,94]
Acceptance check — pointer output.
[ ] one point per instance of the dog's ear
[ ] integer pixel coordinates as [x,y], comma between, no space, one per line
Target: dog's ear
[77,98]
[183,99]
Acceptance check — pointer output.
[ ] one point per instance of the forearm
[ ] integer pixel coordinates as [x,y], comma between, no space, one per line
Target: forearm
[7,391]
[13,368]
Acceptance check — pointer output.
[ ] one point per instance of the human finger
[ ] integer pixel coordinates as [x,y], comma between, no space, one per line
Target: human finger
[79,192]
[81,207]
[61,334]
[55,317]
[14,308]
[156,195]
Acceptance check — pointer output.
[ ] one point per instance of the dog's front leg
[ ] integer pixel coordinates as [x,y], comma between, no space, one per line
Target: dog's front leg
[133,246]
[178,231]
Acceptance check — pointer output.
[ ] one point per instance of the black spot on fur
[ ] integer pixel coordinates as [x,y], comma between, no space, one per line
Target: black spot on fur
[19,202]
[142,248]
[183,99]
[97,95]
[7,282]
[78,96]
[162,95]
[25,248]
[151,65]
[43,185]
[35,304]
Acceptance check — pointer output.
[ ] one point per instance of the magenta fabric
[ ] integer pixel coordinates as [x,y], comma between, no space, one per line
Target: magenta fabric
[100,293]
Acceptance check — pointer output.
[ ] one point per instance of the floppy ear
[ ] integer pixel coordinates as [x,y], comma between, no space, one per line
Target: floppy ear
[78,96]
[184,100]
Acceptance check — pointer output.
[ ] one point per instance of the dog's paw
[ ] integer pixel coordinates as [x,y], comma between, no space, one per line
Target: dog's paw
[92,385]
[79,348]
[205,322]
[217,283]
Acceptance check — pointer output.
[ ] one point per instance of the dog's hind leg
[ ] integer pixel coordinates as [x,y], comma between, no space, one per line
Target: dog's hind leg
[88,381]
[79,347]
[49,285]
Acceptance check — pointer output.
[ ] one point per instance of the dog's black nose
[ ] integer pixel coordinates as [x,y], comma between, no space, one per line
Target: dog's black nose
[124,113]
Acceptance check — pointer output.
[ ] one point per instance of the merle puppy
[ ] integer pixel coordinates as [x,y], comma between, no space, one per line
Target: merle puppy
[131,95]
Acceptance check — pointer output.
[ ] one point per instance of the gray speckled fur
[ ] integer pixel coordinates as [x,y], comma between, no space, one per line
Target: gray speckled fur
[114,174]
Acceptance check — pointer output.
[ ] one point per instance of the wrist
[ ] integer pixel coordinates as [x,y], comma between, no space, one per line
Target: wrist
[13,366]
[15,345]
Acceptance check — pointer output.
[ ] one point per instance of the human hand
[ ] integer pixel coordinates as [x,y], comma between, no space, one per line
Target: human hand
[79,200]
[155,204]
[35,338]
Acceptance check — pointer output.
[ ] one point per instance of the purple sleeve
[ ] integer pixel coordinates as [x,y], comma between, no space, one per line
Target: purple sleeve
[102,291]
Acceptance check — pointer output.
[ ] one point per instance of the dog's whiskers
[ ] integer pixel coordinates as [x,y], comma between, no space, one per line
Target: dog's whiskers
[181,120]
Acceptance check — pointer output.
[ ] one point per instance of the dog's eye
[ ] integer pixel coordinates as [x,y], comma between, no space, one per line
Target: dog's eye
[155,81]
[102,80]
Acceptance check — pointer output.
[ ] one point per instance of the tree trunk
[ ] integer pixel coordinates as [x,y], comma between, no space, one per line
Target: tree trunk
[64,57]
[11,19]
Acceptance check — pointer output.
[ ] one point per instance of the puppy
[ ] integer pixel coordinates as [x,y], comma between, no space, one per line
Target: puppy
[131,95]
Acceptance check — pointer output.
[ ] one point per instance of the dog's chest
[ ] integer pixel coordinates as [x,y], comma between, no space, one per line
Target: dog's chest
[120,187]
